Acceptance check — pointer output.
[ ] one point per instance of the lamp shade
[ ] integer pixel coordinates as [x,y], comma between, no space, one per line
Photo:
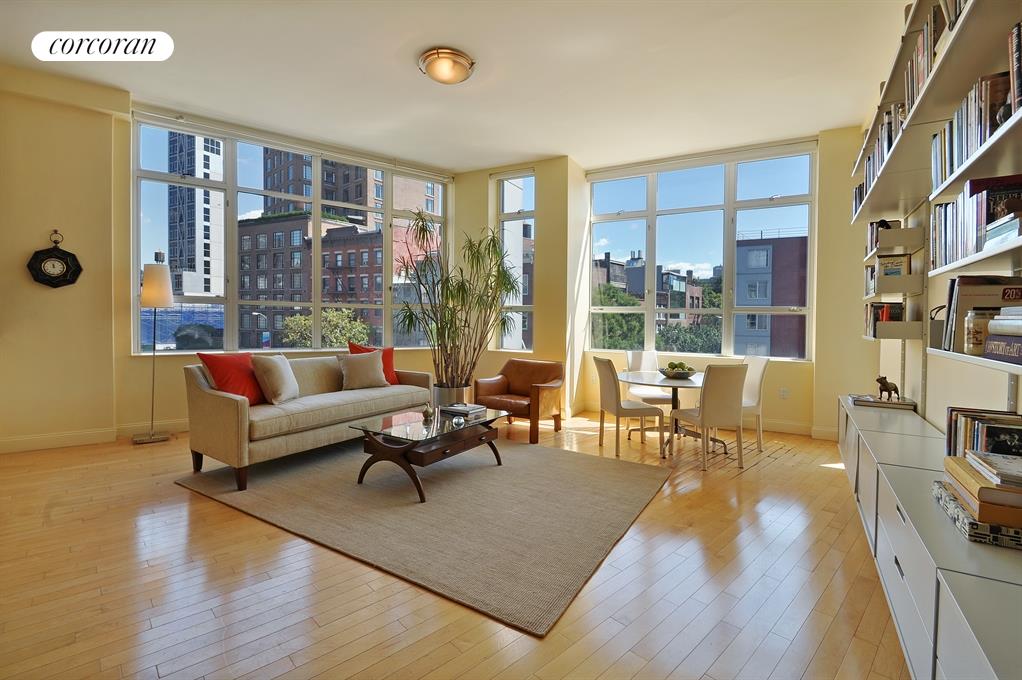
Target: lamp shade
[446,65]
[156,289]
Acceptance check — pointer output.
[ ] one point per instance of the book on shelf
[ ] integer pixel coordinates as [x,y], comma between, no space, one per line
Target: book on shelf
[894,265]
[879,312]
[952,9]
[978,486]
[969,292]
[1002,230]
[962,227]
[870,283]
[874,229]
[858,196]
[1015,66]
[999,468]
[983,430]
[990,513]
[974,121]
[463,409]
[972,529]
[1006,348]
[902,403]
[1005,325]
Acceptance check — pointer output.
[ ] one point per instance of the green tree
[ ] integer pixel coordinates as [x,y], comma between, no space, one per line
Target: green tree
[616,331]
[703,338]
[338,327]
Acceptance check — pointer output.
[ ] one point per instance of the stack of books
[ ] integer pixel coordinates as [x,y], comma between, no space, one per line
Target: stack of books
[888,131]
[921,61]
[975,429]
[1004,336]
[903,403]
[982,493]
[858,196]
[464,410]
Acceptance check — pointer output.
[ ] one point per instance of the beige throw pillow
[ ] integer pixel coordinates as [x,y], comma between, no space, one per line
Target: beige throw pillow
[275,377]
[363,370]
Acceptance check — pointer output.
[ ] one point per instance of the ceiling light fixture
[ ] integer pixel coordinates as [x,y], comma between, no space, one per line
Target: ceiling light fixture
[446,65]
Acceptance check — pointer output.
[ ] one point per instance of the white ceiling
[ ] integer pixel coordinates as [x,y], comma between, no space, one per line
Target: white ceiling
[602,82]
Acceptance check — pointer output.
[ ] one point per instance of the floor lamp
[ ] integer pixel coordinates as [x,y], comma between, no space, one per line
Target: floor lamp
[156,294]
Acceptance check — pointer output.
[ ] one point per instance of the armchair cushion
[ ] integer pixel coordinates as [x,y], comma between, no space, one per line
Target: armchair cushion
[232,373]
[515,404]
[522,374]
[486,387]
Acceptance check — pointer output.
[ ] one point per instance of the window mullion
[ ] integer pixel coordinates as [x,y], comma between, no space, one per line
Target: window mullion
[729,280]
[388,257]
[230,236]
[649,339]
[316,266]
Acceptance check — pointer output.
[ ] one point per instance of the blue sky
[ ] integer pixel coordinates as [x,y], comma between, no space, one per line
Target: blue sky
[695,240]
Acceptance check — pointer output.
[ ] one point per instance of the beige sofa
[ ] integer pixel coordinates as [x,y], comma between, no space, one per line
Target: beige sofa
[224,426]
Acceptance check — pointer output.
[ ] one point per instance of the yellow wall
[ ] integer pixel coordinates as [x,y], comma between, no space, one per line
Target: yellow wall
[844,361]
[57,159]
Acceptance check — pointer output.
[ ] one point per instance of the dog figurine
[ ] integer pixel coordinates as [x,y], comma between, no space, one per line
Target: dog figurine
[888,387]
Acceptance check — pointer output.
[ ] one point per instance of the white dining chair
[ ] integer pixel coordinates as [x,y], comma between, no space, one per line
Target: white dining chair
[720,405]
[611,402]
[641,360]
[752,395]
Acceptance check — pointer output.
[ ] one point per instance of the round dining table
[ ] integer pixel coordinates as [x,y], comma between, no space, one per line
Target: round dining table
[658,379]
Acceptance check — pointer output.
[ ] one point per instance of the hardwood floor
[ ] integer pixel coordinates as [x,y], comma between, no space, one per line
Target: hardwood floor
[108,569]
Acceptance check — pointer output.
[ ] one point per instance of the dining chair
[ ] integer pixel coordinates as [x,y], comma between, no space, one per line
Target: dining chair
[752,394]
[720,405]
[611,402]
[641,360]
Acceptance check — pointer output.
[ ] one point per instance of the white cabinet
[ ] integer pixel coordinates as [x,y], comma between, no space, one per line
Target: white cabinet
[957,605]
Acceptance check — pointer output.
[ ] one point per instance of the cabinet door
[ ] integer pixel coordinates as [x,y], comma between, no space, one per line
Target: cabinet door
[848,444]
[866,493]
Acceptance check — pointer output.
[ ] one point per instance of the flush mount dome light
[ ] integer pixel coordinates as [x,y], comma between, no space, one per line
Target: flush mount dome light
[446,65]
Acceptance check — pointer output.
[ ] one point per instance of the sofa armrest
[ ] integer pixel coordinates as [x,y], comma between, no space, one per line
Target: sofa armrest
[486,387]
[545,398]
[217,421]
[417,378]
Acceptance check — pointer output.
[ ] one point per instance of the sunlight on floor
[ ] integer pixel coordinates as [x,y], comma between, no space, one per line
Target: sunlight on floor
[836,466]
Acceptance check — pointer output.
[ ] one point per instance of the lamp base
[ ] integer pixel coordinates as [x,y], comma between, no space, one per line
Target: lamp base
[150,438]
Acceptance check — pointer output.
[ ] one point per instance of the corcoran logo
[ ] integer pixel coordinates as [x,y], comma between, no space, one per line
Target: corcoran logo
[102,46]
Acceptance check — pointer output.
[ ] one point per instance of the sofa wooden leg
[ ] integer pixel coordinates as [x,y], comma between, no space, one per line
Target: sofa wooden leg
[557,422]
[196,461]
[241,477]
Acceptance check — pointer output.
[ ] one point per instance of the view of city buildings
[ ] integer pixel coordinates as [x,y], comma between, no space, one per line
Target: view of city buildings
[275,251]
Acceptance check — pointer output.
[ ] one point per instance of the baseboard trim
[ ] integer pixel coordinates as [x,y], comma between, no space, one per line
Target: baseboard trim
[785,426]
[174,425]
[56,440]
[829,433]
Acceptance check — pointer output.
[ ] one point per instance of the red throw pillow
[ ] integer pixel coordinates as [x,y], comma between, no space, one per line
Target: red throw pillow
[388,359]
[233,373]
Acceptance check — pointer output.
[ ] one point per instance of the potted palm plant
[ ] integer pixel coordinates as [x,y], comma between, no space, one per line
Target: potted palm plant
[456,306]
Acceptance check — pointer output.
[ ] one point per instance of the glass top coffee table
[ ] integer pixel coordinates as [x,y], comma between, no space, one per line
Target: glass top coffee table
[405,439]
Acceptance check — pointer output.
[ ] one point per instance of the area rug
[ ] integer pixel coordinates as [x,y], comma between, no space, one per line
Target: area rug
[515,542]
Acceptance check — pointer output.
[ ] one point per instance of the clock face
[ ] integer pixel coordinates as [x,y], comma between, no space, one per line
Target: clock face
[53,267]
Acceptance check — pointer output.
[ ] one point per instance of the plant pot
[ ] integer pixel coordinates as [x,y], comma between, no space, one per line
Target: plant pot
[444,396]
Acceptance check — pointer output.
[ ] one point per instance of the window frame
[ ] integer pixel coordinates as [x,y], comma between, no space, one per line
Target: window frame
[229,137]
[516,216]
[731,206]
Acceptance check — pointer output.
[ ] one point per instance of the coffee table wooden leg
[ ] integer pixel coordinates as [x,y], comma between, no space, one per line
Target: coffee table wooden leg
[496,453]
[380,451]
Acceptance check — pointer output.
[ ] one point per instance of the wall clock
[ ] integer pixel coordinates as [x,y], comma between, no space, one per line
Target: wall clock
[54,266]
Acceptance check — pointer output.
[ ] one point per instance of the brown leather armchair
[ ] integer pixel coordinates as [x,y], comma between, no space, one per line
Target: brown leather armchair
[525,388]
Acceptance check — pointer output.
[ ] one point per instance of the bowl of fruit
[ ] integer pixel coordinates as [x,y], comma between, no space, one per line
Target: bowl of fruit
[678,370]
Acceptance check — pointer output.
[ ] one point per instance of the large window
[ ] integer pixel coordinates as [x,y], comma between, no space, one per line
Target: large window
[237,221]
[518,231]
[707,257]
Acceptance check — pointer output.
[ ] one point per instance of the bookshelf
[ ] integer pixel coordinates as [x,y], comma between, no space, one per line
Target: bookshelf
[975,46]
